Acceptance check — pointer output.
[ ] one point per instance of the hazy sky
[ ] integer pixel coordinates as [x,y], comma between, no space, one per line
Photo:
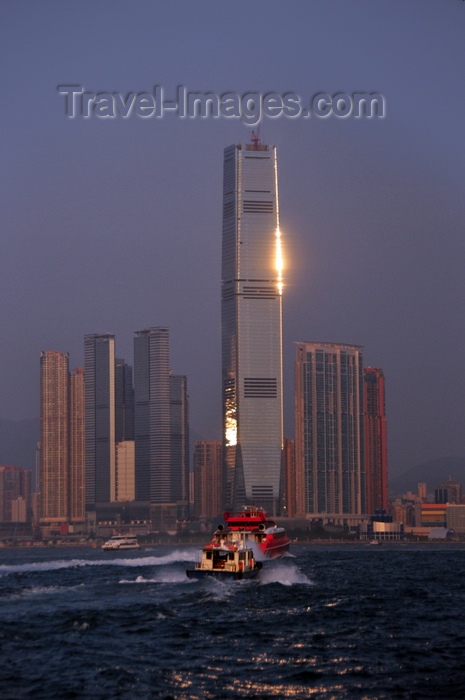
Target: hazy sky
[114,225]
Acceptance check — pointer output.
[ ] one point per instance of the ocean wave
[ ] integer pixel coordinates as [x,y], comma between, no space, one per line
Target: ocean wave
[285,574]
[170,576]
[40,591]
[31,567]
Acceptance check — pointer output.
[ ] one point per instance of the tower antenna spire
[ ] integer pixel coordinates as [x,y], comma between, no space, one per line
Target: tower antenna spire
[255,138]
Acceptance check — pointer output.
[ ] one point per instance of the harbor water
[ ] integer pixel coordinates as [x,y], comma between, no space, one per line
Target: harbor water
[330,621]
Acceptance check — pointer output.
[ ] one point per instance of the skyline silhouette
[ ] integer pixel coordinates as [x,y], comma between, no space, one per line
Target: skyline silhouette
[115,225]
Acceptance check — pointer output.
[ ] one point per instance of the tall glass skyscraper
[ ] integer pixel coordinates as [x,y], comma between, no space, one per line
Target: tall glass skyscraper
[179,443]
[375,439]
[329,442]
[124,401]
[99,358]
[251,326]
[152,415]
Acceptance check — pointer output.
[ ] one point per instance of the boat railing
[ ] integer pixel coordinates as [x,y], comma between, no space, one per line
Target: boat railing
[247,512]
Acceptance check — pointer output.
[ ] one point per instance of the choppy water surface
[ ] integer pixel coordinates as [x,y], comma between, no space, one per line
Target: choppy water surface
[334,621]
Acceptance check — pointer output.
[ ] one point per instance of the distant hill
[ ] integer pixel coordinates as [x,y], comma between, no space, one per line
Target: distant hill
[18,442]
[433,473]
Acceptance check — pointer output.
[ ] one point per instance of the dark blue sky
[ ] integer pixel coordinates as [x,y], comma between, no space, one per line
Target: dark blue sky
[115,225]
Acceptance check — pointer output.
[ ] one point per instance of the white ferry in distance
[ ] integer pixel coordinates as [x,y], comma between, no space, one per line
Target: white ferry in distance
[121,542]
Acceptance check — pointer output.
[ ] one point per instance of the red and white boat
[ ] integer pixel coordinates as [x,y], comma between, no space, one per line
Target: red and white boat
[255,527]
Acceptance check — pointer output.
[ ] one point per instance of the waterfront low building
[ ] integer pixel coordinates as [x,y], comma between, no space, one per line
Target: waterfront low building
[381,531]
[455,516]
[433,515]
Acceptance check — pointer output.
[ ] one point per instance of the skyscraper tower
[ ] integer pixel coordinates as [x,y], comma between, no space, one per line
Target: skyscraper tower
[179,443]
[251,326]
[152,421]
[329,442]
[289,477]
[207,478]
[99,359]
[124,402]
[375,439]
[77,446]
[124,432]
[54,436]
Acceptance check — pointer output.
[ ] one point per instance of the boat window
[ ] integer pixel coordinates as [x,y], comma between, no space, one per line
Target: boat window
[231,556]
[209,555]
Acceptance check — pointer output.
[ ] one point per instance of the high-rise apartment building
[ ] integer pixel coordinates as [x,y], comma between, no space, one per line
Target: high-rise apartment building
[251,326]
[376,464]
[125,471]
[207,478]
[77,447]
[15,494]
[161,429]
[289,479]
[62,442]
[423,491]
[124,432]
[179,443]
[124,402]
[330,465]
[54,437]
[99,359]
[152,420]
[450,491]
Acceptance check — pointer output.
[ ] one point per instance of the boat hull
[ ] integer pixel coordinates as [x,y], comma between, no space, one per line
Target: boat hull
[270,548]
[222,574]
[277,551]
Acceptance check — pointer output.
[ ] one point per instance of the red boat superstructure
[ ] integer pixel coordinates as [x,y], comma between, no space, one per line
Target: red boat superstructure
[254,526]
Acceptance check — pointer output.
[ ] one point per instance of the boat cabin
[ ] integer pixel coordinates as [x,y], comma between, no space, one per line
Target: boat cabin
[227,557]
